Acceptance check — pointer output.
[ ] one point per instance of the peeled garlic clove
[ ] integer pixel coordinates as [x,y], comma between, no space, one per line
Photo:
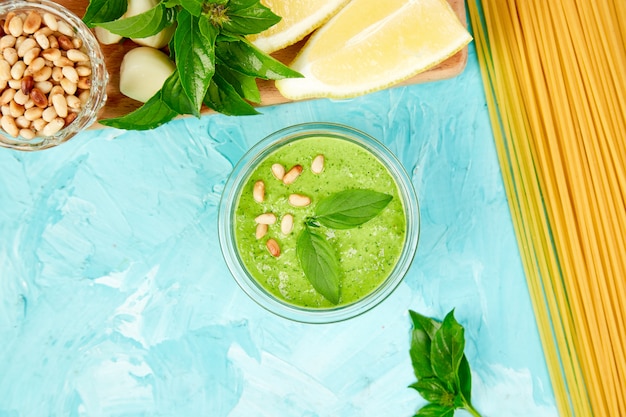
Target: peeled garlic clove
[143,72]
[107,37]
[161,39]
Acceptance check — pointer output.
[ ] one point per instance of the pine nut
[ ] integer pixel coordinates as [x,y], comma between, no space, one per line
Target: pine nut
[31,55]
[7,20]
[65,43]
[71,116]
[68,86]
[273,248]
[73,102]
[27,84]
[77,56]
[39,98]
[286,224]
[291,175]
[299,200]
[32,22]
[16,110]
[7,41]
[39,124]
[27,134]
[9,126]
[5,70]
[51,21]
[26,46]
[278,171]
[17,70]
[53,42]
[51,54]
[19,97]
[53,127]
[57,89]
[65,29]
[33,113]
[7,96]
[37,64]
[266,218]
[317,166]
[43,74]
[258,191]
[16,26]
[63,62]
[42,40]
[57,74]
[70,73]
[60,105]
[84,83]
[10,56]
[22,122]
[261,230]
[49,114]
[83,70]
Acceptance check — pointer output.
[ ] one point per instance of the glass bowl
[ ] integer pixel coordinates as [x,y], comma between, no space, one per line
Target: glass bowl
[257,269]
[90,76]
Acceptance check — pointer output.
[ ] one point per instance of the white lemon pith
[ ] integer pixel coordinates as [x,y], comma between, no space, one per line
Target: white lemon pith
[298,19]
[370,45]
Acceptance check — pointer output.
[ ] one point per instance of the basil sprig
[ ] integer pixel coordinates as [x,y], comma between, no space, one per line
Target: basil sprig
[216,65]
[442,370]
[342,210]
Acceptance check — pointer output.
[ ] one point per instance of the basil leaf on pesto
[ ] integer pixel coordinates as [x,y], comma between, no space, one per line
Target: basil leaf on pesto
[319,263]
[350,208]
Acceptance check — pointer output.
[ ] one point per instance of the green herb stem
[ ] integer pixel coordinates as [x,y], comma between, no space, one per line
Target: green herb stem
[470,409]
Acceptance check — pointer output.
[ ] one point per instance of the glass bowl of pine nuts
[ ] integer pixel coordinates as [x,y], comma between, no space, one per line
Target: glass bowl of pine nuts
[53,77]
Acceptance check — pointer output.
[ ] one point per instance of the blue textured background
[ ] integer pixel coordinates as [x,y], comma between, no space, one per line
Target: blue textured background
[115,301]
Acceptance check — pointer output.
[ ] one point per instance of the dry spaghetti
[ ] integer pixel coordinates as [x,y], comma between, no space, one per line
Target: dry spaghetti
[555,79]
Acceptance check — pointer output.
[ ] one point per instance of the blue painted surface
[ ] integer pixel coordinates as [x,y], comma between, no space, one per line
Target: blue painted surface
[115,300]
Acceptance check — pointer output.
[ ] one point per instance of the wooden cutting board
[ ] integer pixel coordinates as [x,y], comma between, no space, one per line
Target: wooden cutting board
[118,104]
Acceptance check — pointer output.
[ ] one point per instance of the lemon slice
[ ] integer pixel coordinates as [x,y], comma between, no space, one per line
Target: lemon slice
[299,18]
[371,44]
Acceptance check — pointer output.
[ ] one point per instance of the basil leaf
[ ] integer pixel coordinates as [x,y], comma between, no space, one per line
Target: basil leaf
[246,17]
[320,264]
[434,391]
[194,43]
[435,410]
[142,25]
[465,380]
[174,96]
[350,208]
[223,98]
[242,56]
[152,114]
[423,332]
[192,6]
[447,350]
[99,11]
[245,85]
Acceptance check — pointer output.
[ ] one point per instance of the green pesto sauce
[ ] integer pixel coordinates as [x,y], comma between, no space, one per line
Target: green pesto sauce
[367,254]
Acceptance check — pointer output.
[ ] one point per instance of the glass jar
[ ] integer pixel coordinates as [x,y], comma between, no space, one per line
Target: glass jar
[240,181]
[81,115]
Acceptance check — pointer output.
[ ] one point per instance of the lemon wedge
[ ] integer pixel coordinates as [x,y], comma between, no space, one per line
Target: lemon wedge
[371,44]
[298,19]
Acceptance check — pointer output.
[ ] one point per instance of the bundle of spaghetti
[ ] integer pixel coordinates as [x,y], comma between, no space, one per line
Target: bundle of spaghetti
[555,81]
